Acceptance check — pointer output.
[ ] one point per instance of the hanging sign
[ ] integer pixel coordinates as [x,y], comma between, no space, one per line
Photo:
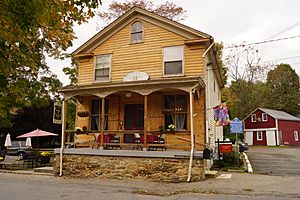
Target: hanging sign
[57,111]
[226,148]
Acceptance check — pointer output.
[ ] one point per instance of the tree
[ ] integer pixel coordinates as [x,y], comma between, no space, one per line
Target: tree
[117,9]
[29,30]
[243,63]
[218,51]
[283,89]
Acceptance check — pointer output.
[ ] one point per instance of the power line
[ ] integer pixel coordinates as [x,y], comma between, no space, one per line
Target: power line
[262,42]
[285,30]
[286,58]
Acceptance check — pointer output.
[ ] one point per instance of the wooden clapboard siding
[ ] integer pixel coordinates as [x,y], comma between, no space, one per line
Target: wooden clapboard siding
[199,119]
[155,117]
[113,112]
[146,56]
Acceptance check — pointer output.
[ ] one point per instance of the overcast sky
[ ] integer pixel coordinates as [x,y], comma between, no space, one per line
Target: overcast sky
[230,22]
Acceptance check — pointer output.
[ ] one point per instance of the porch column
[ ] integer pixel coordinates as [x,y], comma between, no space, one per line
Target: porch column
[145,120]
[102,121]
[192,134]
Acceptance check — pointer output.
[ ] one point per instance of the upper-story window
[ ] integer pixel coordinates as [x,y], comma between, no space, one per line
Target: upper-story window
[136,32]
[253,118]
[173,60]
[102,67]
[264,117]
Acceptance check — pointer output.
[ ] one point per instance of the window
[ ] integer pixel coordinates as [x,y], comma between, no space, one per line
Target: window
[173,60]
[175,109]
[136,32]
[96,105]
[259,135]
[296,135]
[253,118]
[102,67]
[264,117]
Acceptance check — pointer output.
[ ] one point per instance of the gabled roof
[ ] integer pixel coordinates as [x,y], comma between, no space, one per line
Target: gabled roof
[132,14]
[277,114]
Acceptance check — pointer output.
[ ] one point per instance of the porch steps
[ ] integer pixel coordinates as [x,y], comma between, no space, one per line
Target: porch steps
[211,174]
[48,170]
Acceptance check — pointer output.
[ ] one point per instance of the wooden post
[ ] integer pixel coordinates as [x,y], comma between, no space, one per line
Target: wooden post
[102,121]
[145,120]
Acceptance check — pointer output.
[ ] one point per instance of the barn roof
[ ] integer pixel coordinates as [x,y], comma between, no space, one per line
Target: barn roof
[280,114]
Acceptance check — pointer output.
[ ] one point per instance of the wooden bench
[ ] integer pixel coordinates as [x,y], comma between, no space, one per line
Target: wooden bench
[84,140]
[12,162]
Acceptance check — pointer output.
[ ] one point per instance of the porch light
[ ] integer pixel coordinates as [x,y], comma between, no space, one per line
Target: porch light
[128,94]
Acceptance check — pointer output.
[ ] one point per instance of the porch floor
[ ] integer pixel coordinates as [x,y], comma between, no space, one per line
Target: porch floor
[131,153]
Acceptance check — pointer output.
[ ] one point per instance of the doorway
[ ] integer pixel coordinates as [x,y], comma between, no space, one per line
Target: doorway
[134,120]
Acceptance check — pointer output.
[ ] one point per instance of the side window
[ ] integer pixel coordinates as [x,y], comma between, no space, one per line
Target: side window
[136,32]
[264,117]
[253,118]
[173,60]
[296,137]
[102,67]
[259,135]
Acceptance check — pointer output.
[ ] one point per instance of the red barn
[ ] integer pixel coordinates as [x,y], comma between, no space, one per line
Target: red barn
[271,128]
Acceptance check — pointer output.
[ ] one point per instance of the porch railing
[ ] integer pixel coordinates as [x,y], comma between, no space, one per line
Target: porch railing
[127,139]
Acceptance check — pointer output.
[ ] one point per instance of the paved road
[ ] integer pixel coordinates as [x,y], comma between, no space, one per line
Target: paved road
[240,186]
[278,161]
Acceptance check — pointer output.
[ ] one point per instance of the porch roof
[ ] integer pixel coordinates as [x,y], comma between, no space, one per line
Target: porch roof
[142,87]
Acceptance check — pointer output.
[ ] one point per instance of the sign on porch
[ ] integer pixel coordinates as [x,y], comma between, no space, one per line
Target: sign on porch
[136,76]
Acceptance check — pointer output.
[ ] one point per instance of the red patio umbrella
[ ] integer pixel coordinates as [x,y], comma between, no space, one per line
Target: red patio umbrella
[37,133]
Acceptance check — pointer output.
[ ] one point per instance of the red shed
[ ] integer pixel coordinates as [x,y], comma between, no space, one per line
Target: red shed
[271,128]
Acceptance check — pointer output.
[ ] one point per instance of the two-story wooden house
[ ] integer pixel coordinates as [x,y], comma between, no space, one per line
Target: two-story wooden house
[271,127]
[143,73]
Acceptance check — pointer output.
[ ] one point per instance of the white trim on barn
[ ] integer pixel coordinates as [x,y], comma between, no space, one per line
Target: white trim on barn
[260,129]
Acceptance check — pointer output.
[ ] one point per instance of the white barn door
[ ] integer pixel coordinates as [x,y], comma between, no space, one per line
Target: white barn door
[271,138]
[249,138]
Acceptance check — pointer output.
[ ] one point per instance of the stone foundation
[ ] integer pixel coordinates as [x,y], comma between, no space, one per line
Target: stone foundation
[124,167]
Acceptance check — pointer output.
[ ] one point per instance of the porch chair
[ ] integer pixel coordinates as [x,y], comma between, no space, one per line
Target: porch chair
[114,141]
[160,140]
[137,142]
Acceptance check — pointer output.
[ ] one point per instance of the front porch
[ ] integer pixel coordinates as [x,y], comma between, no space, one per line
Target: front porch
[136,115]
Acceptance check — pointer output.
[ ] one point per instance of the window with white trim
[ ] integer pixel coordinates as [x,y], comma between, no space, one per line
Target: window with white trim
[102,67]
[253,118]
[264,117]
[136,32]
[259,135]
[296,136]
[173,60]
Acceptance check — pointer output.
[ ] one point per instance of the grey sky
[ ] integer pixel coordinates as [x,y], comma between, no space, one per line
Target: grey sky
[230,21]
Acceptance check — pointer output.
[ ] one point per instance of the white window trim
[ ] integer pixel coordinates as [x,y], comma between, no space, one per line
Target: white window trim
[252,118]
[296,136]
[109,73]
[262,117]
[257,133]
[163,62]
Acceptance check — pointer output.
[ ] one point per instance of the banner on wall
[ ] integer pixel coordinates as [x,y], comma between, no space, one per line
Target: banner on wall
[221,116]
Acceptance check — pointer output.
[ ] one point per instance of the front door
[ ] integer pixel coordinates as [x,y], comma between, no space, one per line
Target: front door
[271,140]
[134,117]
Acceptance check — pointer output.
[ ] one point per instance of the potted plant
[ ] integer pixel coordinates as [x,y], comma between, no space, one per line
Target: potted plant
[172,127]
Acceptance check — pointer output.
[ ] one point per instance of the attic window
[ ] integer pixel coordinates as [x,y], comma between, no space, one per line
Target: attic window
[136,32]
[264,117]
[253,118]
